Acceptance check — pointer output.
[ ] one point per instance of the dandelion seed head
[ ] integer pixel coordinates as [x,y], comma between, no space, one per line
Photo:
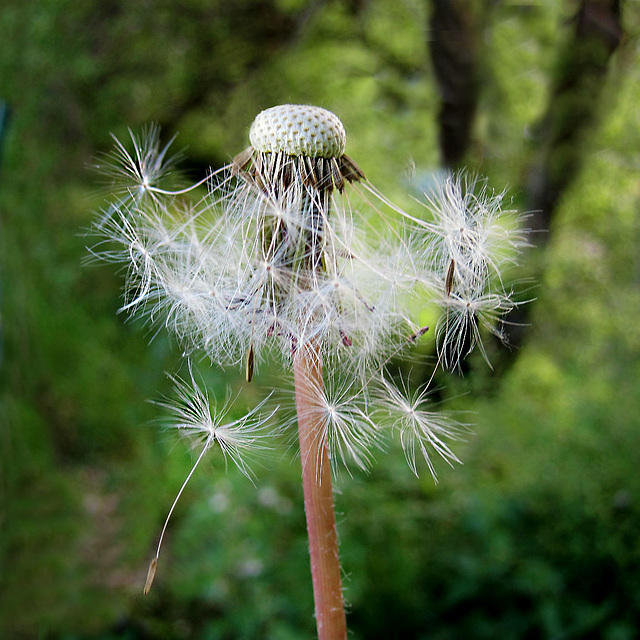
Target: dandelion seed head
[293,247]
[298,130]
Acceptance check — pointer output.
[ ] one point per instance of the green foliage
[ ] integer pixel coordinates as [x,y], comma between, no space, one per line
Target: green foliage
[534,537]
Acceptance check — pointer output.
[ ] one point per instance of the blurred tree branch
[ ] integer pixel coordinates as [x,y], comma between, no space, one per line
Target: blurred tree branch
[570,118]
[572,111]
[453,45]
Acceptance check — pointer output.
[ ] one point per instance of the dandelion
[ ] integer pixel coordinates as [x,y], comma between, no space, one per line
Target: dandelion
[201,421]
[294,254]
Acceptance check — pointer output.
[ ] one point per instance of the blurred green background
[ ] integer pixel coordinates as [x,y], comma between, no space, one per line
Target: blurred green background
[536,536]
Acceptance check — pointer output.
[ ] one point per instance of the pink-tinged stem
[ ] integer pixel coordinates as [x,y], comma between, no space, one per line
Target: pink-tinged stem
[318,497]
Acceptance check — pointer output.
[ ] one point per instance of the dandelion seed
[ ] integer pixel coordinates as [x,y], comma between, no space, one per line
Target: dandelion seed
[341,410]
[417,334]
[134,176]
[194,416]
[151,574]
[467,313]
[421,431]
[249,370]
[448,282]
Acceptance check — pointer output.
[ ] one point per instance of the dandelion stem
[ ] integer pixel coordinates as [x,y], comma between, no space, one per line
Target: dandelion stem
[318,497]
